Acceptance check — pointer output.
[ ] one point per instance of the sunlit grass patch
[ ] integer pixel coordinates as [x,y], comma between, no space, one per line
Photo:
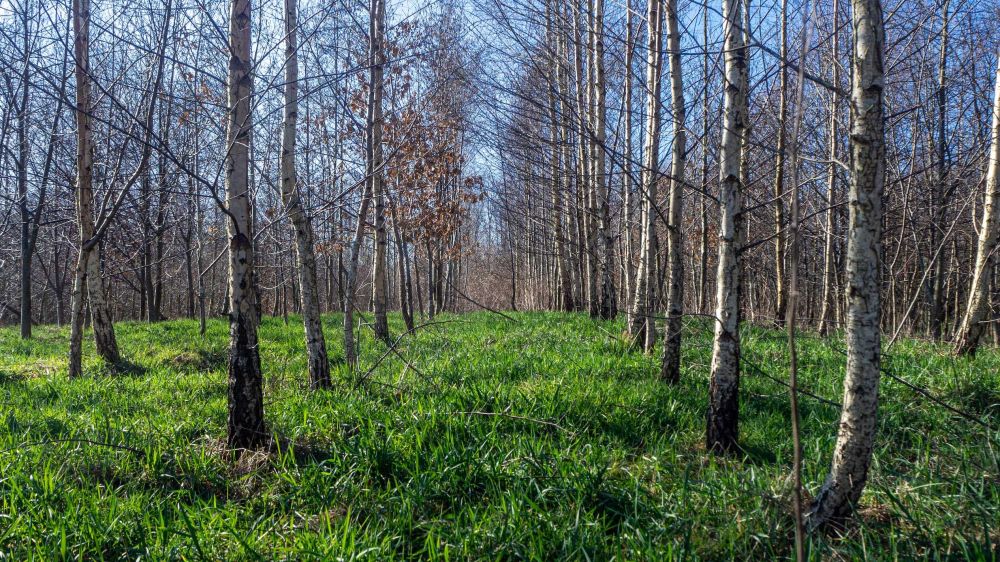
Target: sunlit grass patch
[543,438]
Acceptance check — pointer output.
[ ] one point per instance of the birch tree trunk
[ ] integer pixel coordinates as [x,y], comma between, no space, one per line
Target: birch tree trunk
[605,242]
[375,171]
[246,397]
[703,242]
[564,286]
[585,185]
[88,268]
[305,253]
[940,190]
[829,265]
[856,436]
[779,176]
[643,326]
[670,369]
[723,410]
[572,291]
[628,197]
[973,323]
[375,57]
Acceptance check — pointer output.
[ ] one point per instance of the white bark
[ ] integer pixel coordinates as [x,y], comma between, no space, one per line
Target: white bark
[856,436]
[628,198]
[723,412]
[585,183]
[305,253]
[643,326]
[671,367]
[829,266]
[560,161]
[88,270]
[375,172]
[605,244]
[978,307]
[246,401]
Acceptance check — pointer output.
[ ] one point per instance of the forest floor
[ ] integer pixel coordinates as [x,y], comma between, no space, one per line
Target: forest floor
[535,436]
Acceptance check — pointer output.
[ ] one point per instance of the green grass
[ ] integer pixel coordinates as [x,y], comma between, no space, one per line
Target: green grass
[545,439]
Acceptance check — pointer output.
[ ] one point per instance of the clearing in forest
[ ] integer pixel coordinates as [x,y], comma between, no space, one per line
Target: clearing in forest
[535,436]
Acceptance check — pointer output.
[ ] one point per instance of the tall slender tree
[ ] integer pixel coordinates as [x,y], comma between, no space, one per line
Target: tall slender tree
[939,192]
[88,273]
[642,327]
[247,428]
[723,408]
[827,304]
[973,322]
[88,282]
[375,172]
[376,61]
[608,294]
[291,196]
[856,436]
[670,369]
[780,242]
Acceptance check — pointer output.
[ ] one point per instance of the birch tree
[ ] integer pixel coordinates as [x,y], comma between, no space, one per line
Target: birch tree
[973,322]
[246,426]
[642,327]
[779,174]
[723,408]
[559,161]
[608,294]
[376,173]
[88,282]
[670,370]
[856,435]
[829,265]
[628,183]
[305,253]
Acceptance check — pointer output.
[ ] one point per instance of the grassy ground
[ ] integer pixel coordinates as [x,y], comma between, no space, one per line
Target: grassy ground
[541,438]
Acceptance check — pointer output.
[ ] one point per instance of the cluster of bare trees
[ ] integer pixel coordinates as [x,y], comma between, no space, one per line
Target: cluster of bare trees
[849,188]
[165,113]
[338,155]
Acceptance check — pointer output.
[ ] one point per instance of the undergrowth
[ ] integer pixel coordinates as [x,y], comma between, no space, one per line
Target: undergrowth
[536,436]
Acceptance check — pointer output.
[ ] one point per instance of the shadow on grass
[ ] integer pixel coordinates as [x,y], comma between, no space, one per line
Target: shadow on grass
[12,377]
[126,367]
[201,360]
